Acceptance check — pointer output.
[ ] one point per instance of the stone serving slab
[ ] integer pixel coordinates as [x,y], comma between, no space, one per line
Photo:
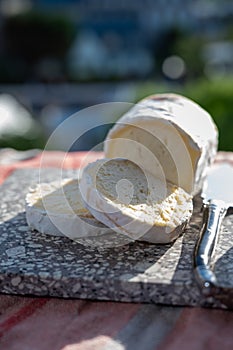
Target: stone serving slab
[36,264]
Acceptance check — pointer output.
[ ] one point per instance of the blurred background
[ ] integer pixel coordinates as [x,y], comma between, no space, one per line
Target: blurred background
[60,56]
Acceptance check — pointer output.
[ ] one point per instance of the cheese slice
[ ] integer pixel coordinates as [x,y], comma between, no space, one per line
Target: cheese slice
[56,208]
[133,202]
[169,136]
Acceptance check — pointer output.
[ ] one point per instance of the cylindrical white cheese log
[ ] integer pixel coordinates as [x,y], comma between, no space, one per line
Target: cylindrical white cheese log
[169,136]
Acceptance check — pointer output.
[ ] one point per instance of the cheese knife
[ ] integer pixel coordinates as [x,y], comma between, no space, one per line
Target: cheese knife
[217,199]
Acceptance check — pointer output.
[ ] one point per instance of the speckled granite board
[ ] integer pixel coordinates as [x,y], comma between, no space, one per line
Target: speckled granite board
[36,264]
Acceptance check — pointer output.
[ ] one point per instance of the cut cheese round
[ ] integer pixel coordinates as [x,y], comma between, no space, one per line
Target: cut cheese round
[57,209]
[133,202]
[169,136]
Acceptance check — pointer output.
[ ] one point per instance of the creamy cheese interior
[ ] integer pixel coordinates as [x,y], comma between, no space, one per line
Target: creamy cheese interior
[120,191]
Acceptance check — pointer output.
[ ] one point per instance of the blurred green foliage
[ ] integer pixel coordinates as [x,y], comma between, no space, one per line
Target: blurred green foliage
[216,96]
[31,37]
[22,142]
[34,35]
[177,41]
[189,48]
[32,138]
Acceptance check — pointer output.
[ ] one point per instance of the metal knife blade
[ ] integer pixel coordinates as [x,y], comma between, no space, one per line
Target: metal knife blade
[219,184]
[217,198]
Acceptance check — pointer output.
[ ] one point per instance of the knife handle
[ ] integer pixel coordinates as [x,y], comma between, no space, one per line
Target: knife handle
[214,212]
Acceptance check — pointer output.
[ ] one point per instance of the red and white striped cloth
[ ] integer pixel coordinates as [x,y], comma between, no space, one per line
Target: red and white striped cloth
[28,323]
